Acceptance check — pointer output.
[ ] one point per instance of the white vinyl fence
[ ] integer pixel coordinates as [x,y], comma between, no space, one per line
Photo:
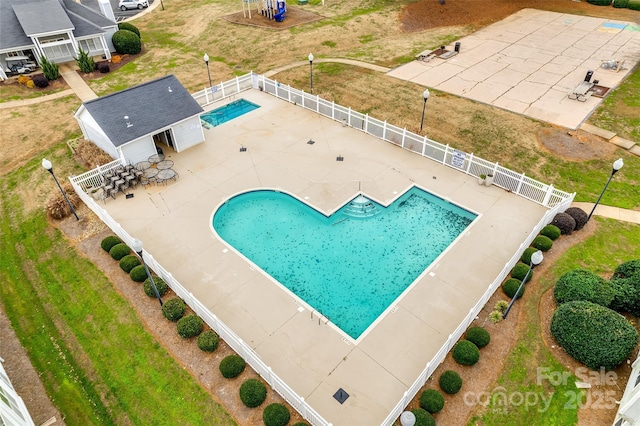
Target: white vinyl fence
[546,195]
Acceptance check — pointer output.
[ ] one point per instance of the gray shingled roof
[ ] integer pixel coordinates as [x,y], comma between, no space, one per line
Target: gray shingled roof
[42,17]
[150,106]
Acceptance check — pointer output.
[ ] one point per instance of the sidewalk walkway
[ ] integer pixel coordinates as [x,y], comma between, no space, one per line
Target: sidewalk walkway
[631,216]
[77,84]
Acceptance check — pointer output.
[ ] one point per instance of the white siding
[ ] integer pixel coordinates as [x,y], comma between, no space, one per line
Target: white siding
[138,150]
[91,131]
[187,133]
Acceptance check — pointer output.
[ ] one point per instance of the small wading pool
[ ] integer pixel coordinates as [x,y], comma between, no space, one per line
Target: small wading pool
[350,266]
[228,112]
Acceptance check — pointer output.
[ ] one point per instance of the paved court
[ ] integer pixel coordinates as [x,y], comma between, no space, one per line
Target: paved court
[528,63]
[314,357]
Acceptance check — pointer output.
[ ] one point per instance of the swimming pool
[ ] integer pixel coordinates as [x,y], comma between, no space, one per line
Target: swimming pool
[228,112]
[350,266]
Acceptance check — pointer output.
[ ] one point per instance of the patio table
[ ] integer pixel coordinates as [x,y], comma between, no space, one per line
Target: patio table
[143,165]
[156,158]
[164,164]
[166,174]
[151,173]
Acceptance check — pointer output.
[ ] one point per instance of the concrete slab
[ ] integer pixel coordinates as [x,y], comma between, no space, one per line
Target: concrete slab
[597,131]
[174,222]
[546,51]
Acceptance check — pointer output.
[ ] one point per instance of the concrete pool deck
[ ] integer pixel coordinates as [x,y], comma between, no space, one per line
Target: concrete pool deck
[174,222]
[529,62]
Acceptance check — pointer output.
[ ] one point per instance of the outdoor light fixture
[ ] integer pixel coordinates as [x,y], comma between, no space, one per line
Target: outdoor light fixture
[311,72]
[137,247]
[425,96]
[407,419]
[206,61]
[47,165]
[536,259]
[617,165]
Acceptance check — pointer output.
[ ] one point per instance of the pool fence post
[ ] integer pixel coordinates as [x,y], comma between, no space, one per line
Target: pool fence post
[384,130]
[365,123]
[349,117]
[469,162]
[446,151]
[519,187]
[404,136]
[333,110]
[222,88]
[424,145]
[547,196]
[237,84]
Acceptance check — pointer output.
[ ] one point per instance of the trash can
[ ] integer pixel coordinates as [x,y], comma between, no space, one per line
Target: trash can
[587,77]
[457,47]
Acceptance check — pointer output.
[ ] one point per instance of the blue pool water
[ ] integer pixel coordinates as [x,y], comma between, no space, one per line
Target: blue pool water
[350,266]
[228,112]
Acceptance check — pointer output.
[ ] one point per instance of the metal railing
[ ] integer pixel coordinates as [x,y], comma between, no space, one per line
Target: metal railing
[517,183]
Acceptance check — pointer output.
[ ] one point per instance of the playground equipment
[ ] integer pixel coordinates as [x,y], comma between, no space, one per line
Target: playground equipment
[272,9]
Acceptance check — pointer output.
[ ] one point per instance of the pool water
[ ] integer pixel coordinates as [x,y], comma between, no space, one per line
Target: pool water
[228,112]
[350,266]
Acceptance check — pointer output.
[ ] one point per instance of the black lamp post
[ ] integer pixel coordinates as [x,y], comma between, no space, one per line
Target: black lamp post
[425,96]
[47,165]
[206,61]
[536,259]
[617,165]
[311,72]
[137,247]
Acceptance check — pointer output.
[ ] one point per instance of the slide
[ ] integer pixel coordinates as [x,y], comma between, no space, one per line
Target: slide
[282,10]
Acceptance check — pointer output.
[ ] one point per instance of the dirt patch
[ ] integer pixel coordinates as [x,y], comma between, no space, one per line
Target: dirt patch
[574,145]
[294,17]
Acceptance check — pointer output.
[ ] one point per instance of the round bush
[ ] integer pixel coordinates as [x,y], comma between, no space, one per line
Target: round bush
[39,80]
[103,67]
[510,286]
[128,262]
[600,2]
[542,243]
[138,273]
[625,296]
[161,286]
[190,326]
[579,216]
[119,251]
[302,424]
[633,4]
[108,242]
[450,382]
[432,401]
[581,284]
[526,255]
[173,309]
[630,269]
[126,42]
[478,336]
[520,271]
[465,353]
[593,334]
[208,341]
[620,3]
[253,393]
[550,231]
[129,27]
[231,366]
[565,223]
[275,415]
[423,417]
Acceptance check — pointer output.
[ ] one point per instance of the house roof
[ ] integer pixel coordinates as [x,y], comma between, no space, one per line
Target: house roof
[20,18]
[147,107]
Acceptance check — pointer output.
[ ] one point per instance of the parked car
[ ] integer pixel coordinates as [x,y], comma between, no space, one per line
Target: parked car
[132,4]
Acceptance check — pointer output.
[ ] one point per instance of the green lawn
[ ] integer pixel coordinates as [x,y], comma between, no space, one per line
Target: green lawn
[98,363]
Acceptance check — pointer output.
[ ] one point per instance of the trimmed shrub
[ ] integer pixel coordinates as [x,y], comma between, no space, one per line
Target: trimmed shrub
[253,393]
[600,2]
[91,154]
[138,274]
[450,382]
[23,79]
[129,27]
[30,84]
[478,336]
[302,424]
[593,334]
[510,286]
[126,41]
[625,296]
[85,62]
[108,242]
[565,223]
[519,272]
[39,80]
[423,417]
[161,286]
[432,401]
[128,262]
[621,4]
[465,353]
[57,207]
[581,284]
[630,269]
[103,67]
[208,341]
[276,415]
[174,309]
[634,4]
[190,326]
[579,216]
[49,69]
[550,231]
[231,366]
[119,251]
[542,243]
[526,255]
